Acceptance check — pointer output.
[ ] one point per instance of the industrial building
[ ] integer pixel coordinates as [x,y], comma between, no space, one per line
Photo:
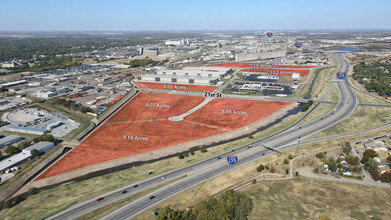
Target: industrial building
[260,86]
[54,125]
[149,52]
[40,146]
[14,160]
[3,101]
[177,42]
[8,84]
[266,88]
[45,94]
[188,75]
[26,130]
[295,75]
[110,81]
[61,115]
[259,55]
[261,77]
[8,140]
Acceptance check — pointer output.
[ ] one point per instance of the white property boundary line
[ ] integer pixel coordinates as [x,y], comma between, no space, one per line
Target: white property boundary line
[204,140]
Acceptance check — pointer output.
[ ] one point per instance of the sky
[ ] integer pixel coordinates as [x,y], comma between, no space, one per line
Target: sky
[168,15]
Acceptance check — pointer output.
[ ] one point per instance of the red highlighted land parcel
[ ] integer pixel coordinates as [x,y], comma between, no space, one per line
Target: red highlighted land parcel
[142,125]
[178,87]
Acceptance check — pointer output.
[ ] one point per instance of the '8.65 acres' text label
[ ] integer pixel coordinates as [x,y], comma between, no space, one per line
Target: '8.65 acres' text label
[232,112]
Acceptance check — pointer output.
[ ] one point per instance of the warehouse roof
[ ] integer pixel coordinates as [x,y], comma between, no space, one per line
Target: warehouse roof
[60,115]
[10,139]
[28,129]
[39,146]
[11,161]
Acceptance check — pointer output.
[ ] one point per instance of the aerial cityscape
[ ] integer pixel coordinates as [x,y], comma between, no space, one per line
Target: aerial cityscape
[195,110]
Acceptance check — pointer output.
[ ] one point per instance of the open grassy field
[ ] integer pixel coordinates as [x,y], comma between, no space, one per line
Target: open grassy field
[366,99]
[322,109]
[309,198]
[79,117]
[333,95]
[323,82]
[363,117]
[302,91]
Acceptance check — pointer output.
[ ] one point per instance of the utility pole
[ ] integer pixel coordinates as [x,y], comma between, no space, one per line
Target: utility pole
[194,190]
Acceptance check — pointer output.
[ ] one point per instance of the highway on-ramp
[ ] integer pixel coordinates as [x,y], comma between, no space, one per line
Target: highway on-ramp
[199,172]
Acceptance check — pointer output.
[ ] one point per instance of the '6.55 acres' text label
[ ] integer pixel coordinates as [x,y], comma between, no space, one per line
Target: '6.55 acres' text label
[174,87]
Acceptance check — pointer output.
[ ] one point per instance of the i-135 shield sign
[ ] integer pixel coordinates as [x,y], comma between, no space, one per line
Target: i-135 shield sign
[232,159]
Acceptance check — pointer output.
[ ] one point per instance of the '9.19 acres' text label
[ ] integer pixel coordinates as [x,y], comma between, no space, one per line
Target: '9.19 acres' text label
[134,138]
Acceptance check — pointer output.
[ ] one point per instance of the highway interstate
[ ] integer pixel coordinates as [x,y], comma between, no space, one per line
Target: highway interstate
[206,169]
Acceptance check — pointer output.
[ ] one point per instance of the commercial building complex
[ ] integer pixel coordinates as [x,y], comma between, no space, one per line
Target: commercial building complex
[25,154]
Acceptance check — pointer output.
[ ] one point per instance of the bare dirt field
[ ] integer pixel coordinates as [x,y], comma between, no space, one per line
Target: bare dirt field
[147,106]
[233,114]
[178,87]
[303,72]
[246,65]
[141,126]
[292,66]
[108,142]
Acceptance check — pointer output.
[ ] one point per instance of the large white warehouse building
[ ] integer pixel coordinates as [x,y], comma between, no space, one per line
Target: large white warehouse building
[188,75]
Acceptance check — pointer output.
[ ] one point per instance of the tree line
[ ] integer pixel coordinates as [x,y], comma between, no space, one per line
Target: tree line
[373,168]
[29,48]
[145,62]
[49,63]
[376,77]
[72,104]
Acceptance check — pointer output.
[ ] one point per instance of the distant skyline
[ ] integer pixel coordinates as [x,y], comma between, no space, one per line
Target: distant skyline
[166,15]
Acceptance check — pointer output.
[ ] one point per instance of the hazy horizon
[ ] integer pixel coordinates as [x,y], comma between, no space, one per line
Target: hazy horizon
[184,31]
[154,15]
